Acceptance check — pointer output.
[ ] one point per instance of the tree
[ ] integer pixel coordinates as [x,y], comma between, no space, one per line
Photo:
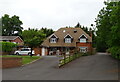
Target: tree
[103,25]
[46,31]
[11,25]
[78,25]
[108,26]
[82,27]
[114,42]
[33,37]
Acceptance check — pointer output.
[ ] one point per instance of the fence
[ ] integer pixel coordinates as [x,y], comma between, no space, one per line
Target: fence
[66,58]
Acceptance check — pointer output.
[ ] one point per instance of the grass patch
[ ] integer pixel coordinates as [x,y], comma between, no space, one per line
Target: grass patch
[25,59]
[29,59]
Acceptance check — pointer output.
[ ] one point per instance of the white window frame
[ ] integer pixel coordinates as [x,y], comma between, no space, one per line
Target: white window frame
[53,40]
[67,40]
[83,40]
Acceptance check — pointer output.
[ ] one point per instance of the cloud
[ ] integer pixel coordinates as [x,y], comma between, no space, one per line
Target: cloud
[52,13]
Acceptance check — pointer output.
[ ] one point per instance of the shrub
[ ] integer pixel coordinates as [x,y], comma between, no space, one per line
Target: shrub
[115,51]
[7,46]
[85,54]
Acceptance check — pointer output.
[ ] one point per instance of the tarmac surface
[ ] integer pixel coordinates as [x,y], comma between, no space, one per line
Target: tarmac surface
[95,67]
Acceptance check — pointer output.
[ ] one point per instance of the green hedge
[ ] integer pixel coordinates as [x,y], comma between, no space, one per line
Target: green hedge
[7,46]
[115,51]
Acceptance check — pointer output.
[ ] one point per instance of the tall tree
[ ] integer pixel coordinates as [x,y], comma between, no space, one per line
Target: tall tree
[108,25]
[78,25]
[114,42]
[11,25]
[103,25]
[46,31]
[82,27]
[33,37]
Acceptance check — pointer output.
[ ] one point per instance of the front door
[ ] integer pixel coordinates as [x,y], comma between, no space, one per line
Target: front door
[43,51]
[67,50]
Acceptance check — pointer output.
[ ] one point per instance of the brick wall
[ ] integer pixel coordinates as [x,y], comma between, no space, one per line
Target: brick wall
[89,45]
[37,51]
[18,40]
[9,62]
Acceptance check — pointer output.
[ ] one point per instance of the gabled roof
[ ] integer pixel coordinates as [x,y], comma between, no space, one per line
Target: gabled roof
[68,35]
[83,35]
[61,33]
[53,35]
[9,38]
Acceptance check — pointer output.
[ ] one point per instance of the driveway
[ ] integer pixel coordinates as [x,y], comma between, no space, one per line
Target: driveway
[95,67]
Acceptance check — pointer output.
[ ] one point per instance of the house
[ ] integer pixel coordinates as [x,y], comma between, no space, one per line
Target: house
[13,39]
[65,40]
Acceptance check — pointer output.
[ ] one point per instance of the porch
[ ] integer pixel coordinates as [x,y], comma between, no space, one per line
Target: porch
[57,50]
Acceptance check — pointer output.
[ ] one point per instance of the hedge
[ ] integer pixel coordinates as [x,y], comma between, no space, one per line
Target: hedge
[115,51]
[7,46]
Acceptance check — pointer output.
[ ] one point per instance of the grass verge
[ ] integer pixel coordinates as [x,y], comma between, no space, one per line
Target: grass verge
[25,59]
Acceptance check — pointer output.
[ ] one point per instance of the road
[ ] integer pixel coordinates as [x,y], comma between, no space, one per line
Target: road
[96,67]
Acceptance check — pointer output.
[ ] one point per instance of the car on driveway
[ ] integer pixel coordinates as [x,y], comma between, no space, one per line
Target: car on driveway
[24,51]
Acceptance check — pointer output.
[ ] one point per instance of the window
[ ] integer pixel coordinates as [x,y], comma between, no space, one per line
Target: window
[25,49]
[53,40]
[83,49]
[83,40]
[67,40]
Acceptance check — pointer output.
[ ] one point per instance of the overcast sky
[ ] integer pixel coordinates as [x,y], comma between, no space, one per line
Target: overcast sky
[52,13]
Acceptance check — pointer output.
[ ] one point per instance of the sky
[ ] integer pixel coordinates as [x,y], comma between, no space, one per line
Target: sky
[52,13]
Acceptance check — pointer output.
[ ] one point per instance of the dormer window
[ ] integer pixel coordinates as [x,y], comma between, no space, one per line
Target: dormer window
[83,39]
[68,38]
[53,38]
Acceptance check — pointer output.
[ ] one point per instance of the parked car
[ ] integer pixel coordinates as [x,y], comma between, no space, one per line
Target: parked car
[24,51]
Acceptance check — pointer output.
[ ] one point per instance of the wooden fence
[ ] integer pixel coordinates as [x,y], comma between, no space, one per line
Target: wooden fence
[66,58]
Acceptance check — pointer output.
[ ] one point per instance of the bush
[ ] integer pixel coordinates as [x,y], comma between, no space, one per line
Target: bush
[7,46]
[115,51]
[85,54]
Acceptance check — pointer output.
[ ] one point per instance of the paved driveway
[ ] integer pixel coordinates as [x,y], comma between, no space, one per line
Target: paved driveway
[95,67]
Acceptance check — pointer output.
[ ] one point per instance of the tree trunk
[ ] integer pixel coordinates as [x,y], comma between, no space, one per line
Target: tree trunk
[31,52]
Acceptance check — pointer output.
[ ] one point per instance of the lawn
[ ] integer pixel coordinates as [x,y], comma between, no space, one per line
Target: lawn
[25,59]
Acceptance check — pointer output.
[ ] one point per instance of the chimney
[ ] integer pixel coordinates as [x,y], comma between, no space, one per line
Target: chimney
[91,34]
